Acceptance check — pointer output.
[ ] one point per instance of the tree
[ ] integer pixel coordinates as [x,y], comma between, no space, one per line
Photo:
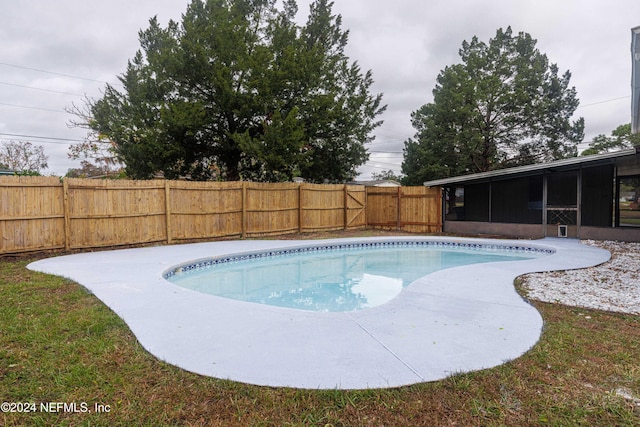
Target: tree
[23,157]
[504,105]
[621,138]
[98,149]
[91,170]
[386,175]
[238,90]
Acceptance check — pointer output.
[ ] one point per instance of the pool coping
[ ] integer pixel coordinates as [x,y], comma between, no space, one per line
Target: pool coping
[456,320]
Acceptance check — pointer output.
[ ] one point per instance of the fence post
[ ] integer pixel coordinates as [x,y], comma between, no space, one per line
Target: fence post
[244,209]
[167,204]
[346,206]
[300,208]
[67,220]
[440,210]
[398,219]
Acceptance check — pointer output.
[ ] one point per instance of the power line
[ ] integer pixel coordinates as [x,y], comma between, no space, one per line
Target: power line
[605,101]
[41,89]
[391,133]
[53,72]
[40,137]
[395,153]
[33,108]
[390,141]
[382,163]
[67,144]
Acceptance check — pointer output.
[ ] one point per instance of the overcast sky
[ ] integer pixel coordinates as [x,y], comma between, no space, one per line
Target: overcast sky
[52,53]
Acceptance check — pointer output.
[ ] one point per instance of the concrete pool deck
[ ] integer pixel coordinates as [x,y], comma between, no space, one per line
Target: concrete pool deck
[456,320]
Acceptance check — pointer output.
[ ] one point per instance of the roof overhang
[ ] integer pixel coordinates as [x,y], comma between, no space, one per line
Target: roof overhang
[572,163]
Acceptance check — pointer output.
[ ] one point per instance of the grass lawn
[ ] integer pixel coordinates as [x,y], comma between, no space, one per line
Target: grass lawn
[63,351]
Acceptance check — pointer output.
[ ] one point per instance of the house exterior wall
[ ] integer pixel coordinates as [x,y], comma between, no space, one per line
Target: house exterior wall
[495,228]
[602,233]
[583,200]
[530,231]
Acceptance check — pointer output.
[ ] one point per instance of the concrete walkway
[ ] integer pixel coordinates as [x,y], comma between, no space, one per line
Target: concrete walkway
[455,320]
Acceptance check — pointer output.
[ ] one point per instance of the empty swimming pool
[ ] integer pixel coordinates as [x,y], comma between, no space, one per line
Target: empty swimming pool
[334,278]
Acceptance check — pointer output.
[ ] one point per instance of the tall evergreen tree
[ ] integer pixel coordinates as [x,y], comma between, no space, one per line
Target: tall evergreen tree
[238,90]
[504,105]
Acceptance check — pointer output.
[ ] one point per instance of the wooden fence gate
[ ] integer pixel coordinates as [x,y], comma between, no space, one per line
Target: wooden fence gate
[355,202]
[412,209]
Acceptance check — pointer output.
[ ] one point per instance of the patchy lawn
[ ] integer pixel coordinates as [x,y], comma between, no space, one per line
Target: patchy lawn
[69,360]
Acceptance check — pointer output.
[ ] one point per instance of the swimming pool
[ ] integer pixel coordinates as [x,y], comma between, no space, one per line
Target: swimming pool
[454,320]
[334,278]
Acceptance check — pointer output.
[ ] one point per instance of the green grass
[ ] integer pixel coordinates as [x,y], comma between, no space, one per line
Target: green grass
[58,343]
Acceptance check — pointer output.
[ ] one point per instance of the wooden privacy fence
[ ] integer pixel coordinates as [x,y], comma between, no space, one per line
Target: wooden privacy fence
[43,213]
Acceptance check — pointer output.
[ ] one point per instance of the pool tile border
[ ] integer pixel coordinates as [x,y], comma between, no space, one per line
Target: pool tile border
[235,258]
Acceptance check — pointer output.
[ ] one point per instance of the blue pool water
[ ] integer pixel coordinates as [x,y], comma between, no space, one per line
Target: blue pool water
[329,279]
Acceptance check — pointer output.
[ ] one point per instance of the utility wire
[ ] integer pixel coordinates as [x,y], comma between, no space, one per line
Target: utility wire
[41,89]
[383,163]
[396,153]
[54,73]
[605,101]
[33,108]
[40,137]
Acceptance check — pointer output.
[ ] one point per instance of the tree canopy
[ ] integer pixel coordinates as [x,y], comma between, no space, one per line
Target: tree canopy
[23,157]
[386,175]
[621,138]
[239,90]
[504,105]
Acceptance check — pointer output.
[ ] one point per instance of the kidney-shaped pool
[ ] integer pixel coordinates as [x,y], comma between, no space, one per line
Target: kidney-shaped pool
[451,320]
[335,278]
